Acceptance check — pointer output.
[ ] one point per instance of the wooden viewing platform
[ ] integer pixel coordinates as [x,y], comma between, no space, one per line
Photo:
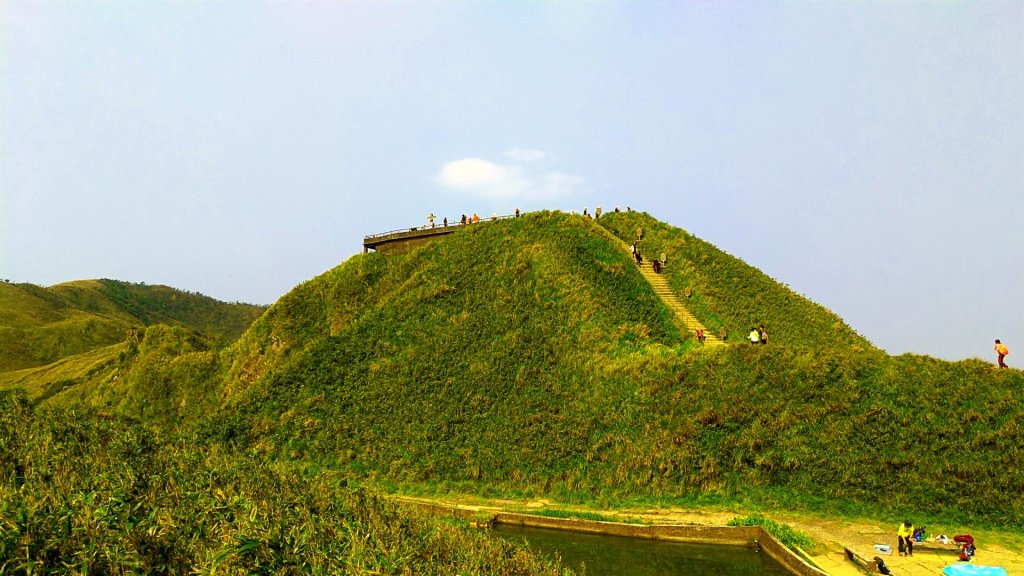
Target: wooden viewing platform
[404,240]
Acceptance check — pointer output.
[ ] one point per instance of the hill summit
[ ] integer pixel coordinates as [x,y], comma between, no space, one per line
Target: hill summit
[530,355]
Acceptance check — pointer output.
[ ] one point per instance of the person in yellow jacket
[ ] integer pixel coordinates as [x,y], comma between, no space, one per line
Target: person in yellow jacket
[905,537]
[1001,352]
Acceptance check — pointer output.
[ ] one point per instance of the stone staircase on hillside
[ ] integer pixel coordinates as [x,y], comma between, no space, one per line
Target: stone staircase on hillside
[661,288]
[668,297]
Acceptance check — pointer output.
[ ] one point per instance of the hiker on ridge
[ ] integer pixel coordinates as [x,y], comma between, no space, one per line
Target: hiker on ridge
[1001,352]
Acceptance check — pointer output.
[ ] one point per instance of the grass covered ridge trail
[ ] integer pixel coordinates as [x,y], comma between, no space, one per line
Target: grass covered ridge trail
[726,293]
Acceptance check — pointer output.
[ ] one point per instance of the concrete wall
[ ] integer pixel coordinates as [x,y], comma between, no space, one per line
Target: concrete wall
[402,245]
[778,551]
[731,535]
[404,242]
[728,535]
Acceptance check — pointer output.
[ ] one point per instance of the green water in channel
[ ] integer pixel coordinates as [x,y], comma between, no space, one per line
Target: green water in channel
[601,555]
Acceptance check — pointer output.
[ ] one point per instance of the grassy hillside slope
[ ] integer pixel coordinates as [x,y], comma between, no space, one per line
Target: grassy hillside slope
[39,326]
[164,376]
[529,355]
[725,292]
[54,380]
[86,494]
[499,327]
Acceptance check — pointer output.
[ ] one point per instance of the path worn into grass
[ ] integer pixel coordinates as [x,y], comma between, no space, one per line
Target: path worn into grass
[830,535]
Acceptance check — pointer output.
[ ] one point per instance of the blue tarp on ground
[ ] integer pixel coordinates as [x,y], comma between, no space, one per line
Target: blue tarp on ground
[973,570]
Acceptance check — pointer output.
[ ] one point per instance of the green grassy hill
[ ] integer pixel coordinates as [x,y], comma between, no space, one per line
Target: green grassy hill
[39,325]
[530,356]
[424,363]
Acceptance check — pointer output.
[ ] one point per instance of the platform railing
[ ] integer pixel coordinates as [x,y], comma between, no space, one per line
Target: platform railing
[435,227]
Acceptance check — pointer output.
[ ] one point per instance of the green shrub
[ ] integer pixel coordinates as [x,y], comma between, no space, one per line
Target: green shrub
[86,494]
[783,532]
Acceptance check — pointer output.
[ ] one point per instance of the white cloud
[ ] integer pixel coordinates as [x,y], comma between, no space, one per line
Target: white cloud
[525,154]
[483,178]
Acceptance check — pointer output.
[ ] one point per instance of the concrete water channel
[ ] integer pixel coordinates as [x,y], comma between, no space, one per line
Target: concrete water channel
[604,555]
[604,546]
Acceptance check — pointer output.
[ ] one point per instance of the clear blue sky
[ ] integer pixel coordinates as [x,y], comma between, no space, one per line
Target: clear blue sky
[868,154]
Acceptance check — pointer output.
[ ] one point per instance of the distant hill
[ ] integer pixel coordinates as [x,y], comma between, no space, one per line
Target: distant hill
[39,325]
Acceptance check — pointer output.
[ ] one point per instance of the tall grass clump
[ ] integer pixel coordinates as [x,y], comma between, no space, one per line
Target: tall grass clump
[85,494]
[785,533]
